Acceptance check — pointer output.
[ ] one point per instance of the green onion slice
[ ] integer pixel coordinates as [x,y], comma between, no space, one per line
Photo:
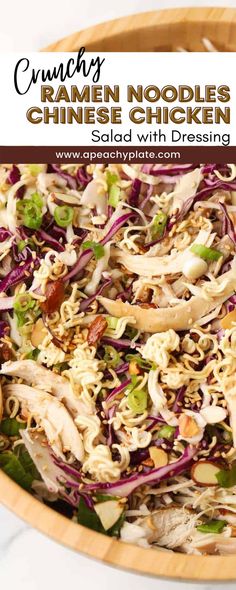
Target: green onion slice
[212,526]
[21,245]
[137,400]
[98,249]
[159,224]
[166,432]
[23,303]
[35,169]
[32,213]
[111,179]
[37,199]
[113,189]
[114,195]
[209,254]
[111,322]
[144,364]
[63,215]
[111,356]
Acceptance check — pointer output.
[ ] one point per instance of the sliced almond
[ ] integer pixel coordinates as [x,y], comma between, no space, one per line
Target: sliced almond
[64,199]
[38,333]
[109,512]
[229,320]
[213,414]
[188,426]
[159,457]
[204,473]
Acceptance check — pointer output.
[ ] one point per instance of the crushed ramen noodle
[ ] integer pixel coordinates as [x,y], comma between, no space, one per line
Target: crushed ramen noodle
[118,347]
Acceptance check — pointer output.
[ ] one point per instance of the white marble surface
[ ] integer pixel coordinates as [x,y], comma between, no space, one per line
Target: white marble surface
[28,560]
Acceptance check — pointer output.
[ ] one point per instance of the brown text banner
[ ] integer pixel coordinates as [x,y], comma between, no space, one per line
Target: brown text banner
[121,154]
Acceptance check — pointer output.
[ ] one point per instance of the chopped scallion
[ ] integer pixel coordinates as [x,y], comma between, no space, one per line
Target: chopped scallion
[159,224]
[212,526]
[63,215]
[209,254]
[98,249]
[137,400]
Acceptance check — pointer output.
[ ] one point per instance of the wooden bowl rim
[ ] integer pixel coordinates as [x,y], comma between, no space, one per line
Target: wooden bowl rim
[139,22]
[130,557]
[45,519]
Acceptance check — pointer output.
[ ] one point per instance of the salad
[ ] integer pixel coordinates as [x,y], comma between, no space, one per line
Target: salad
[118,347]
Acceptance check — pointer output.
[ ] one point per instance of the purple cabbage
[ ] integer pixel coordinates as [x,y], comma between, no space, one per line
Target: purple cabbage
[68,469]
[125,486]
[87,254]
[207,190]
[232,299]
[21,256]
[17,274]
[146,168]
[4,328]
[58,232]
[122,368]
[119,343]
[85,303]
[155,420]
[83,177]
[23,232]
[146,199]
[134,193]
[230,305]
[136,457]
[125,295]
[4,234]
[117,390]
[116,226]
[83,260]
[169,171]
[70,180]
[208,168]
[14,175]
[178,400]
[80,233]
[227,224]
[55,244]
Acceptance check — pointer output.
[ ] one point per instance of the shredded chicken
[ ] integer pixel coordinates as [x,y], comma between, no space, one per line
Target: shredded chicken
[180,317]
[169,527]
[36,375]
[146,266]
[49,413]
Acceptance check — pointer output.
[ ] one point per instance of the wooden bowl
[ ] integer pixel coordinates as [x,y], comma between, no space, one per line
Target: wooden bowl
[163,30]
[154,31]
